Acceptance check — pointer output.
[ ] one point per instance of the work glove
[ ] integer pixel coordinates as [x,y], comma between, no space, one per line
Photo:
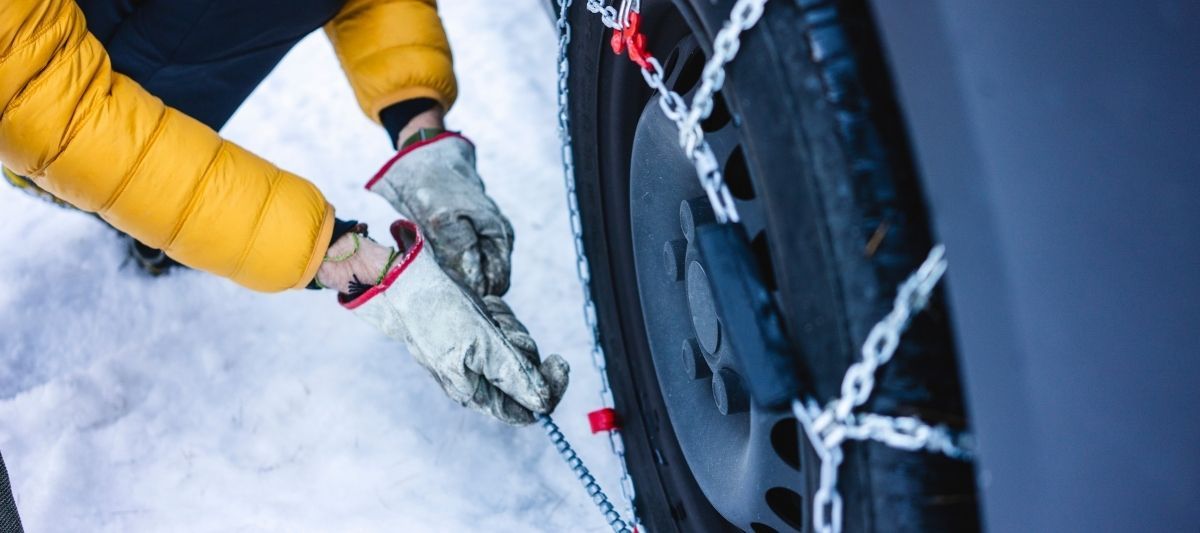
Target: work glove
[475,348]
[434,183]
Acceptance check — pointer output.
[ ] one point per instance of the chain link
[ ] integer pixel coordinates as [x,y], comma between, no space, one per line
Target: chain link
[627,7]
[609,15]
[589,482]
[582,268]
[745,14]
[830,427]
[910,434]
[884,338]
[694,145]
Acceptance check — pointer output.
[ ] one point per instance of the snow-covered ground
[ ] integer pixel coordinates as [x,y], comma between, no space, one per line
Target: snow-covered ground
[189,404]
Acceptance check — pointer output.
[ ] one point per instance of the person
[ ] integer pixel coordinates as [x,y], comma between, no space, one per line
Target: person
[113,107]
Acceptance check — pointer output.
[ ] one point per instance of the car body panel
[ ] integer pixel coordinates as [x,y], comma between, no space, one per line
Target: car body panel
[1057,142]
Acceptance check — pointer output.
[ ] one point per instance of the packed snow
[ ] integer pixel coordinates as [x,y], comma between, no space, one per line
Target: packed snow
[186,403]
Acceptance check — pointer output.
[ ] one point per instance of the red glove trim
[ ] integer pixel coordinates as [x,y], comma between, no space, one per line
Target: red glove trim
[407,149]
[394,274]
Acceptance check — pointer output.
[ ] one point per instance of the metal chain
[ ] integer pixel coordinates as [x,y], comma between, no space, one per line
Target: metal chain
[694,145]
[609,15]
[582,268]
[830,427]
[884,338]
[745,14]
[910,434]
[589,482]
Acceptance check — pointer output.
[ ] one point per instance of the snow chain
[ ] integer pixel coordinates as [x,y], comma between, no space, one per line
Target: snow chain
[827,428]
[616,444]
[585,477]
[832,426]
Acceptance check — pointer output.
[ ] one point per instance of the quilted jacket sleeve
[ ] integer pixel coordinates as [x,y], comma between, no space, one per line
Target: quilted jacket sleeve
[98,140]
[393,50]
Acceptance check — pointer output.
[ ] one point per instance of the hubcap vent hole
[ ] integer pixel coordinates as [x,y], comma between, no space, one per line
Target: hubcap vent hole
[719,117]
[758,527]
[788,505]
[669,65]
[737,174]
[785,438]
[690,72]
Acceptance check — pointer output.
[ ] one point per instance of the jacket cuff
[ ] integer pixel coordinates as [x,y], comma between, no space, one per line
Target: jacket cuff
[396,116]
[320,246]
[340,228]
[405,94]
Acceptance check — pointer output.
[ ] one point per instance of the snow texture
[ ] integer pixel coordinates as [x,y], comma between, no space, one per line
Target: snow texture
[186,403]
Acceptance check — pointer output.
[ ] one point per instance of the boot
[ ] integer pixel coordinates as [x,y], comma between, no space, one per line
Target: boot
[150,260]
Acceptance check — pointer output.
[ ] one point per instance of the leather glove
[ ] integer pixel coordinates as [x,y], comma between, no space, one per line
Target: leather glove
[434,183]
[475,348]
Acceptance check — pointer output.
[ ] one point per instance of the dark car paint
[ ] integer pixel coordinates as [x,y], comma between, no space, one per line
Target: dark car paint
[1059,143]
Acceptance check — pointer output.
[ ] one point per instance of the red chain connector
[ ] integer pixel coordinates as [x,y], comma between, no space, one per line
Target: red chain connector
[630,37]
[604,420]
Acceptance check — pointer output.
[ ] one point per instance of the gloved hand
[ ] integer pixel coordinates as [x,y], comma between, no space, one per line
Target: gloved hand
[434,183]
[475,348]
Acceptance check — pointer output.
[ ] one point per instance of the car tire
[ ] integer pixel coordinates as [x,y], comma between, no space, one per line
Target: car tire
[813,146]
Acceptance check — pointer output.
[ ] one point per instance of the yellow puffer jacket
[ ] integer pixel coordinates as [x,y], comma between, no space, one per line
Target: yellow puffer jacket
[393,50]
[96,139]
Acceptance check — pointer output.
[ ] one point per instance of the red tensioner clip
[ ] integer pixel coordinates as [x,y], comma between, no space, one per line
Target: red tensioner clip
[604,420]
[630,37]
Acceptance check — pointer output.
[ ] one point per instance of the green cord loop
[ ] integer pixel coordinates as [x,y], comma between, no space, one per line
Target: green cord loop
[347,255]
[391,259]
[392,255]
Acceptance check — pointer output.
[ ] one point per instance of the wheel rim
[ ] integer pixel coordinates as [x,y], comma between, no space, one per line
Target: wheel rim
[745,460]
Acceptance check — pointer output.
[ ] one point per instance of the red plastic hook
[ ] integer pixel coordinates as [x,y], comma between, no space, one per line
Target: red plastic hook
[604,420]
[630,37]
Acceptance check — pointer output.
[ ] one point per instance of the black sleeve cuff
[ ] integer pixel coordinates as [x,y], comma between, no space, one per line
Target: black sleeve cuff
[396,116]
[341,227]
